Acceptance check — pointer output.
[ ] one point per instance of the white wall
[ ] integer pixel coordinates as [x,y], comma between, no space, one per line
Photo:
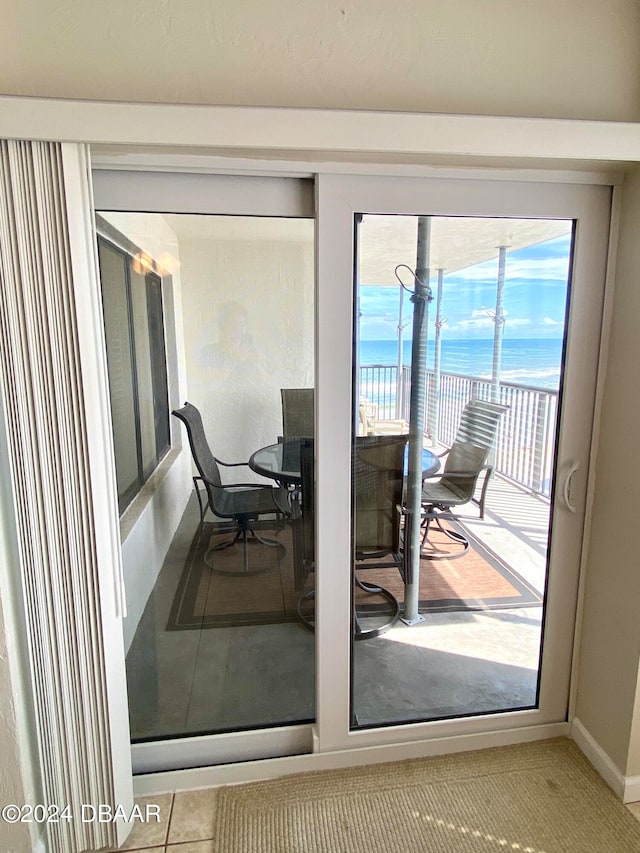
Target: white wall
[555,58]
[610,649]
[12,836]
[254,278]
[17,736]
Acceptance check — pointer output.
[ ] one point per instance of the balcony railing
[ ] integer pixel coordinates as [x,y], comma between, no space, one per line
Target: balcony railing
[524,451]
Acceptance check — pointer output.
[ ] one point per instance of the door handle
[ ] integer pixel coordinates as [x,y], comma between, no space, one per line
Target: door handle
[566,486]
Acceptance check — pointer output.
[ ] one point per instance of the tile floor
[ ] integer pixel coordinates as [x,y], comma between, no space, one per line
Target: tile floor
[185,826]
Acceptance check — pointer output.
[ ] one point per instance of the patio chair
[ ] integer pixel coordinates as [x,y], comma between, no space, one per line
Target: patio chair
[378,470]
[297,413]
[243,503]
[465,461]
[298,422]
[371,424]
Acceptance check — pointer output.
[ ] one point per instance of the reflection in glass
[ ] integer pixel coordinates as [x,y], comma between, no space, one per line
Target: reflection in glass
[488,362]
[213,638]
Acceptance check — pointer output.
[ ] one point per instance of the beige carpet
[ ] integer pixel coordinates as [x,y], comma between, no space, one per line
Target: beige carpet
[533,798]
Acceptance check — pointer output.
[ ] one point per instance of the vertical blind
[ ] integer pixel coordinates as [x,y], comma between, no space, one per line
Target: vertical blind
[47,438]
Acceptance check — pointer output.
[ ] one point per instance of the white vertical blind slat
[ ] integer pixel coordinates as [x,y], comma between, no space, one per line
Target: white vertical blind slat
[47,431]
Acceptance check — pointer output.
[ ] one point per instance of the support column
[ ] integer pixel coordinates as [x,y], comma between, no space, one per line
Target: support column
[498,319]
[421,298]
[399,400]
[435,399]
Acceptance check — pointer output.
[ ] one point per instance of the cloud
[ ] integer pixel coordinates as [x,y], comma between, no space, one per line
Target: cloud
[517,270]
[477,322]
[548,321]
[481,320]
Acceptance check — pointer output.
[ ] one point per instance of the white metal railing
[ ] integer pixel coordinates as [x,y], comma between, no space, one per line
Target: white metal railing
[525,445]
[379,385]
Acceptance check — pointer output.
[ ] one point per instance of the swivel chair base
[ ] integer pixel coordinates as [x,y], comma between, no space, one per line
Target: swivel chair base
[359,633]
[454,535]
[249,539]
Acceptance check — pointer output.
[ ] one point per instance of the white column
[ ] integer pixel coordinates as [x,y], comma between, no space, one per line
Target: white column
[435,400]
[399,400]
[498,319]
[421,298]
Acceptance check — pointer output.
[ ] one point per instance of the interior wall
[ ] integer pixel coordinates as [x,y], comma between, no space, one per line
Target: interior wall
[572,59]
[14,836]
[610,646]
[18,743]
[248,326]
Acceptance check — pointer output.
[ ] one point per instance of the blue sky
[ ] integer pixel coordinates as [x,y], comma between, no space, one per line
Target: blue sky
[535,295]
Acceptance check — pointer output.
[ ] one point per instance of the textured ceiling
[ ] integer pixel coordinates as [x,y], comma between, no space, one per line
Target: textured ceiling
[456,242]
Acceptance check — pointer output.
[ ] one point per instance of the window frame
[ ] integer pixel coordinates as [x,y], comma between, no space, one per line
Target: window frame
[107,237]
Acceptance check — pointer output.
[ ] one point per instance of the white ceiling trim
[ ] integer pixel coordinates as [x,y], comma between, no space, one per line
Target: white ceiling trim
[313,130]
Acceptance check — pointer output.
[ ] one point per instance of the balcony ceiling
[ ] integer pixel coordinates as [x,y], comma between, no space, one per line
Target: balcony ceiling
[386,240]
[457,242]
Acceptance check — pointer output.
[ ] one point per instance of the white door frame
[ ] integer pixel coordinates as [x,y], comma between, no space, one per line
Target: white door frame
[339,199]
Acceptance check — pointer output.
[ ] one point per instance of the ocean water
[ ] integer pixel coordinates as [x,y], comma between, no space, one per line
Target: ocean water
[534,361]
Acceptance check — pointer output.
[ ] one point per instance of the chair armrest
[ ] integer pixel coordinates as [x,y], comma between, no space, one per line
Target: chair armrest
[231,464]
[453,475]
[263,486]
[279,496]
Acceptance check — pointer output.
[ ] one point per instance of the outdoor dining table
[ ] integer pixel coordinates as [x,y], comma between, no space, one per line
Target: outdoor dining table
[281,462]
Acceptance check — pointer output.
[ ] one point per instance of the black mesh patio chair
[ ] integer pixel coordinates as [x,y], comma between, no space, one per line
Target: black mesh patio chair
[378,470]
[298,422]
[297,412]
[465,461]
[243,503]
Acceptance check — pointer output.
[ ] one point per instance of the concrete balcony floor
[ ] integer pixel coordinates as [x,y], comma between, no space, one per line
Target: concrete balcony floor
[242,677]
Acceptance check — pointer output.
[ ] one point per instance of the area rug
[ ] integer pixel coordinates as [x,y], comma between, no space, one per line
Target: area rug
[532,798]
[479,580]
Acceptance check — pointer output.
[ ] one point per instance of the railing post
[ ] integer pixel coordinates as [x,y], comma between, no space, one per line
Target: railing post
[431,427]
[539,443]
[529,465]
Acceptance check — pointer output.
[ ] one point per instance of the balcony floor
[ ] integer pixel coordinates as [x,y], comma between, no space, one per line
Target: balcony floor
[185,682]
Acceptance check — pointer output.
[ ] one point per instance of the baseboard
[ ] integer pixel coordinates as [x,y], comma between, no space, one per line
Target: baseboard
[621,786]
[631,789]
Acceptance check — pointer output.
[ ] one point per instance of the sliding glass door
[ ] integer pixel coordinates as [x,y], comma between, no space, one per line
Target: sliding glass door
[210,522]
[461,425]
[411,385]
[485,347]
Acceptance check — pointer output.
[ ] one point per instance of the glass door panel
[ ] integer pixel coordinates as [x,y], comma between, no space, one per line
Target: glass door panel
[218,312]
[517,326]
[459,336]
